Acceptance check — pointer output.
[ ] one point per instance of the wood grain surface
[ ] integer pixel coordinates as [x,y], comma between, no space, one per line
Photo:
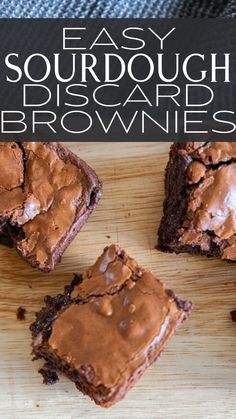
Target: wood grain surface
[196,375]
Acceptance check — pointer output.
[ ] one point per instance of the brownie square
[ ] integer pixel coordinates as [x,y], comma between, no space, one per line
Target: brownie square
[111,323]
[200,205]
[46,195]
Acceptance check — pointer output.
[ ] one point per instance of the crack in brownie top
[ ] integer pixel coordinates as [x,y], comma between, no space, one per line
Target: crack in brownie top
[44,188]
[120,305]
[112,270]
[215,152]
[210,216]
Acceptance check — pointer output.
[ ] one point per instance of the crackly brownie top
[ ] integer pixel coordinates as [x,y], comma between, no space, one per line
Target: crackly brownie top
[117,314]
[42,191]
[211,175]
[11,178]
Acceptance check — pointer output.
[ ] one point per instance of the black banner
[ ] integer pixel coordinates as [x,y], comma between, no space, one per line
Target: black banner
[117,79]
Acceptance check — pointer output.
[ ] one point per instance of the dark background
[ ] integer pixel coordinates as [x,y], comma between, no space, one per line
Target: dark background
[27,36]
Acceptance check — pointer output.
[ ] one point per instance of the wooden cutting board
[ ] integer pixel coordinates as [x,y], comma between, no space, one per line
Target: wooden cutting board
[196,375]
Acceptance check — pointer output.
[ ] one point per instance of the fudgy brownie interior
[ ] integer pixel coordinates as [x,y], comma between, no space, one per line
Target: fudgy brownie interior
[200,205]
[108,327]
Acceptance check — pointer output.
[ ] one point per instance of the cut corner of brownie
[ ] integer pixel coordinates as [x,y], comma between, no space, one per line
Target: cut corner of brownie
[97,332]
[199,214]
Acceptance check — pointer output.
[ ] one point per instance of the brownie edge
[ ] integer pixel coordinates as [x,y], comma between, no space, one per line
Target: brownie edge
[107,327]
[176,200]
[199,213]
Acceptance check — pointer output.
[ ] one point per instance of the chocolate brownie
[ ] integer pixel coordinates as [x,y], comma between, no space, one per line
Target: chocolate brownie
[46,195]
[20,313]
[200,206]
[110,324]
